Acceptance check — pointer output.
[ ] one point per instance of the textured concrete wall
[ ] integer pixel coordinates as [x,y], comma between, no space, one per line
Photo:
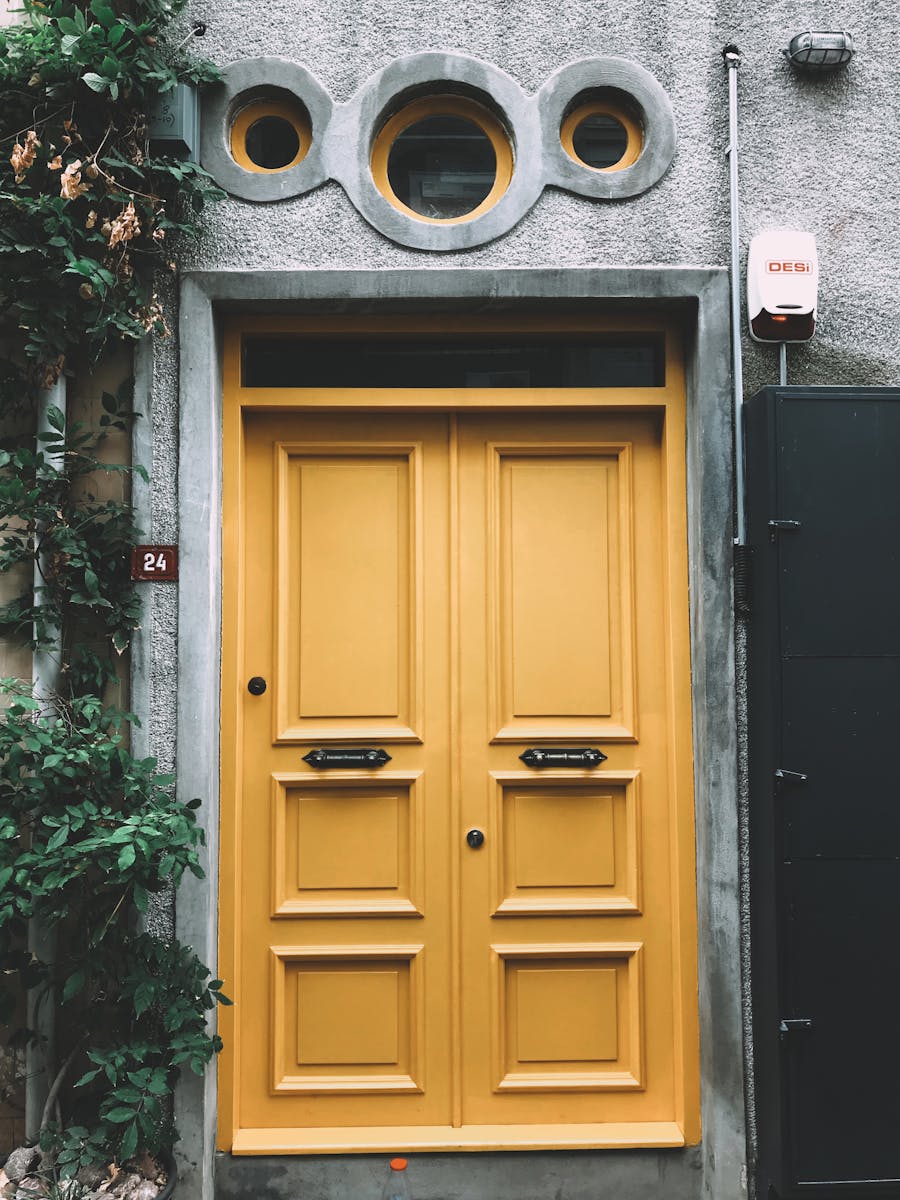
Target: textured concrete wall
[816,154]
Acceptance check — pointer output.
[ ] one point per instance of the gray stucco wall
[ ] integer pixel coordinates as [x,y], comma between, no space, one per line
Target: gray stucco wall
[816,154]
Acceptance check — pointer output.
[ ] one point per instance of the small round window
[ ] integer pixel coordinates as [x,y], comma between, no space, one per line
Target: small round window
[442,158]
[270,135]
[602,135]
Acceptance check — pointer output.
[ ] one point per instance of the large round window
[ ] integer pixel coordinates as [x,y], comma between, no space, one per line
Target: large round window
[602,135]
[442,158]
[270,135]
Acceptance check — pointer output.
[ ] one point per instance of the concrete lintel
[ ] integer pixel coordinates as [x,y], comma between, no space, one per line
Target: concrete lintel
[347,289]
[700,293]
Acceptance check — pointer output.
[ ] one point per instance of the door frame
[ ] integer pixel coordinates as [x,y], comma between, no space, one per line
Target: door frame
[697,298]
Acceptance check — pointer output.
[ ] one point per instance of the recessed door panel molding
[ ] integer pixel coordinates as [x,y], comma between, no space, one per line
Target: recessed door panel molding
[349,594]
[561,591]
[347,844]
[453,949]
[568,1017]
[566,842]
[347,1019]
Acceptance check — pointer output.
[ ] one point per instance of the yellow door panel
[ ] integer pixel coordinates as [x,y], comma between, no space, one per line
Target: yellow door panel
[349,568]
[345,576]
[566,526]
[340,850]
[456,588]
[558,522]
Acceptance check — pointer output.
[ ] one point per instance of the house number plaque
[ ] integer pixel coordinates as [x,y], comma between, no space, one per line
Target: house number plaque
[154,562]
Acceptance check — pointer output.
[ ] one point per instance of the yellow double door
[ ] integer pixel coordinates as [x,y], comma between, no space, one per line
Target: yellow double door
[455,948]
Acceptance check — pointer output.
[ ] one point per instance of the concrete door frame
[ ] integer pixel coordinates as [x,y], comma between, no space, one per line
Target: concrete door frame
[700,297]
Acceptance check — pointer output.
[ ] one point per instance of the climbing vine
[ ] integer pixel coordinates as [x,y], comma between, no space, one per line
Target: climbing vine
[87,215]
[88,832]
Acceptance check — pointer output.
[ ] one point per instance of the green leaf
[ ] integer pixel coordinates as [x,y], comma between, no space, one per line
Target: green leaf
[129,1141]
[143,997]
[104,14]
[56,419]
[95,82]
[61,835]
[74,984]
[119,1115]
[126,857]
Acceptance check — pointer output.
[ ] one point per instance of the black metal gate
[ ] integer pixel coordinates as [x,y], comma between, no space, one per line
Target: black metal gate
[824,524]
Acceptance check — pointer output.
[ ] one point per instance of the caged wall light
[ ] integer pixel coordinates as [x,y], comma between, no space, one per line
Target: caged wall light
[819,50]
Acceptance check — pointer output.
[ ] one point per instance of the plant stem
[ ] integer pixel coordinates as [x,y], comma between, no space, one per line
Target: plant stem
[53,1095]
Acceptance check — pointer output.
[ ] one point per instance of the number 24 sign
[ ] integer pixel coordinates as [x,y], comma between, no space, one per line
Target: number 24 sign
[154,562]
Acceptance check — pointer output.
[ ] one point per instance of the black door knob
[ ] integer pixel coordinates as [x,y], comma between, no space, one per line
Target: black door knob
[475,838]
[256,686]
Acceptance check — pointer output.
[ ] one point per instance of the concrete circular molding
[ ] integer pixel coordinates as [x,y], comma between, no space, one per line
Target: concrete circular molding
[343,136]
[257,78]
[635,84]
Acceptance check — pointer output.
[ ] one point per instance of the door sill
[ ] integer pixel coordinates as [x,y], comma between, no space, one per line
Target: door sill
[612,1136]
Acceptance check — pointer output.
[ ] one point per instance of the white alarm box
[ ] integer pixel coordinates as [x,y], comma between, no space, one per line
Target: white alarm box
[782,286]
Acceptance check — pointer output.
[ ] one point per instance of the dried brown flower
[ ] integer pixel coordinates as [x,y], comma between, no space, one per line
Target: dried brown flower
[22,157]
[91,170]
[70,185]
[55,164]
[151,317]
[86,291]
[125,226]
[91,219]
[52,372]
[158,234]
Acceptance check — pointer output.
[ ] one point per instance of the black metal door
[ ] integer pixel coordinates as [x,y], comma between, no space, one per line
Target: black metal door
[824,495]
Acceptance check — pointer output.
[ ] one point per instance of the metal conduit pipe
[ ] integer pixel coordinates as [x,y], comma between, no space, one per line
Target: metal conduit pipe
[46,670]
[732,58]
[742,552]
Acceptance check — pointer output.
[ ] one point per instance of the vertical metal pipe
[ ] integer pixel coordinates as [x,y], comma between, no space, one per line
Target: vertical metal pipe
[782,364]
[732,58]
[46,670]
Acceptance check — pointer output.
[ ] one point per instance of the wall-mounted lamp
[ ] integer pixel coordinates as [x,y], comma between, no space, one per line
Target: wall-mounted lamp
[820,51]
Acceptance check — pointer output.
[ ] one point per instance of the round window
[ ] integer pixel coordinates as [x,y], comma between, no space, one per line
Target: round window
[442,158]
[270,135]
[601,135]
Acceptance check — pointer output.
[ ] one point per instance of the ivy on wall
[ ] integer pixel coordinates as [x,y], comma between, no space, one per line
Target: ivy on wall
[88,831]
[86,215]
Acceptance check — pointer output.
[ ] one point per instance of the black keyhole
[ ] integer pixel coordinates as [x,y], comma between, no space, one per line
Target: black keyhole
[256,686]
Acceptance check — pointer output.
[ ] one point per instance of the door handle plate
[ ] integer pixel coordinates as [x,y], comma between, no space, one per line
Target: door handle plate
[327,758]
[542,757]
